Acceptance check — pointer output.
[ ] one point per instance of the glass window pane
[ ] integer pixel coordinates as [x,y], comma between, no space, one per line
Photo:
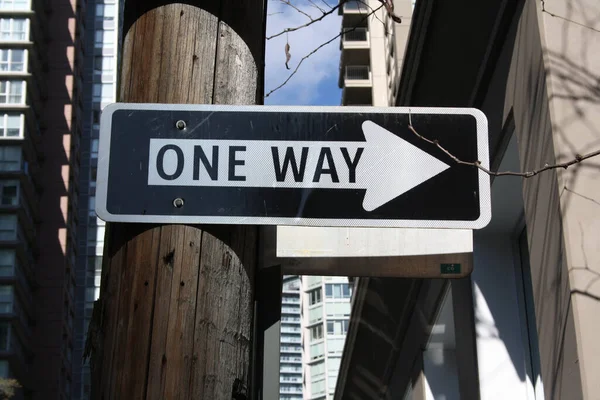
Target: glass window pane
[9,194]
[8,227]
[13,125]
[109,10]
[345,290]
[10,158]
[7,262]
[4,335]
[337,291]
[328,290]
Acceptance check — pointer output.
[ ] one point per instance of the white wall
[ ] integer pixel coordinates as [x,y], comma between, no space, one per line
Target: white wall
[501,348]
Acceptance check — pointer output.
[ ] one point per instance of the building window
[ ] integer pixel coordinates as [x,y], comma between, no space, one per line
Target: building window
[10,158]
[316,351]
[92,294]
[4,335]
[8,227]
[6,298]
[103,92]
[93,176]
[317,387]
[7,262]
[10,125]
[105,11]
[13,29]
[9,192]
[314,296]
[12,92]
[94,148]
[12,60]
[338,291]
[315,314]
[104,38]
[337,327]
[14,5]
[104,64]
[316,332]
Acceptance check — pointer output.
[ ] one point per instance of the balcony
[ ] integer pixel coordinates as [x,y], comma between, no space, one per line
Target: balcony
[286,389]
[290,300]
[354,7]
[355,38]
[290,349]
[290,369]
[357,76]
[291,329]
[290,339]
[290,379]
[290,359]
[290,310]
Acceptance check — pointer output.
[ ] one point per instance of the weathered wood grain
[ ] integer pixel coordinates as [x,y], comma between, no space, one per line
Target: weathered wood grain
[174,319]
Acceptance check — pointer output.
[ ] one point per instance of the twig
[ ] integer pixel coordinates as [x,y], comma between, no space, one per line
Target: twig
[477,164]
[316,6]
[366,3]
[389,6]
[566,19]
[326,3]
[286,30]
[297,9]
[314,51]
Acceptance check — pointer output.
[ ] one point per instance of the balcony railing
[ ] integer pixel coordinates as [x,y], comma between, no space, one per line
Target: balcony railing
[290,300]
[290,339]
[356,6]
[358,72]
[356,35]
[290,359]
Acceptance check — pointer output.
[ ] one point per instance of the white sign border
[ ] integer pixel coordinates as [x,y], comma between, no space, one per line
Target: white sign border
[485,206]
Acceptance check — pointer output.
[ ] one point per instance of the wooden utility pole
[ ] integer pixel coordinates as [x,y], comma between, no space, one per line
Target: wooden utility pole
[175,314]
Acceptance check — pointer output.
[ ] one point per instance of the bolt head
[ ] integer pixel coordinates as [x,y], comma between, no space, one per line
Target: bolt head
[180,125]
[178,202]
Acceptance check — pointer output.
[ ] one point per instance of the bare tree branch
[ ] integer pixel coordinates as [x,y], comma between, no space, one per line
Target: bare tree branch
[316,6]
[317,49]
[477,164]
[389,6]
[289,3]
[287,30]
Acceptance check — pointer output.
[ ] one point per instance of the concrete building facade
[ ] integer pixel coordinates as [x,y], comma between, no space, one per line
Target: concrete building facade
[40,132]
[372,47]
[523,325]
[290,350]
[100,78]
[325,318]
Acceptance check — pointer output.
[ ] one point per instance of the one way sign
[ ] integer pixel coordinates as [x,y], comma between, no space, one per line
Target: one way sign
[319,166]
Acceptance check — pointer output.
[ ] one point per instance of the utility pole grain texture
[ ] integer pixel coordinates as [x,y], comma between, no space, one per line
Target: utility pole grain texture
[174,318]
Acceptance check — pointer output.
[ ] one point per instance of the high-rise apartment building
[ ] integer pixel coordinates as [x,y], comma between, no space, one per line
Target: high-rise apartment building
[290,350]
[100,76]
[372,50]
[40,130]
[325,316]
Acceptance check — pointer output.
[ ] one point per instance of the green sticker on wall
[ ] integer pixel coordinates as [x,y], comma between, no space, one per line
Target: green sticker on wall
[450,269]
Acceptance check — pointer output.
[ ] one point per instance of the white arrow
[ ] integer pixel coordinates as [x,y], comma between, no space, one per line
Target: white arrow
[385,165]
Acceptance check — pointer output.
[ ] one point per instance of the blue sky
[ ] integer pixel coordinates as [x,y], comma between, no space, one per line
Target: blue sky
[315,83]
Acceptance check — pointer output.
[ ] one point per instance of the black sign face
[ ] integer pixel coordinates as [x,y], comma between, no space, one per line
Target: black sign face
[318,166]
